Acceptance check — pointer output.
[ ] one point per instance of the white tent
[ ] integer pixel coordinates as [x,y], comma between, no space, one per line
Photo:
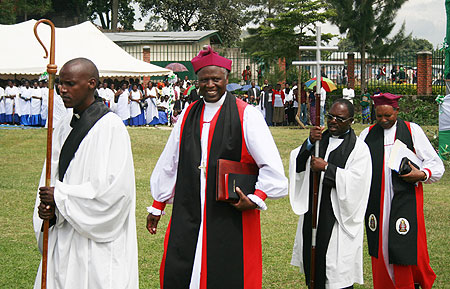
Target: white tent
[21,53]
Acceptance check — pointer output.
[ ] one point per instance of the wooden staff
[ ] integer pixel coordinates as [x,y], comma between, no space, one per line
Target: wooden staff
[51,69]
[316,176]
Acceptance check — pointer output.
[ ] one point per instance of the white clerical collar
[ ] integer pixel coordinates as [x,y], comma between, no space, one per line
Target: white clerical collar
[217,103]
[340,136]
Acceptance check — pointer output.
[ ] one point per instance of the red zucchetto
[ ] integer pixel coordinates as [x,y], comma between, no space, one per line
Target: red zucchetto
[386,99]
[207,56]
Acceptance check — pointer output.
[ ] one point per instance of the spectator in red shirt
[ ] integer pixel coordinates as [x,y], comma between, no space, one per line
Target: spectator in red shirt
[278,105]
[247,75]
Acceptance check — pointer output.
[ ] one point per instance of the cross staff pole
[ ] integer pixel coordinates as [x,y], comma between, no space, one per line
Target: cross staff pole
[316,175]
[51,69]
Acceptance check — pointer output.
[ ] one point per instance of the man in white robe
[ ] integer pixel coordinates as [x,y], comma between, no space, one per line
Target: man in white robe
[345,175]
[348,93]
[2,105]
[151,112]
[91,201]
[11,95]
[44,103]
[122,109]
[24,107]
[36,100]
[197,245]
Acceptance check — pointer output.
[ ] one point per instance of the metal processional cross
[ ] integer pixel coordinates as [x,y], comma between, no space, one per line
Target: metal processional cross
[318,64]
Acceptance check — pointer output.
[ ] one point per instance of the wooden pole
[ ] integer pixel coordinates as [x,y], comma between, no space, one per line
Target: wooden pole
[51,69]
[316,175]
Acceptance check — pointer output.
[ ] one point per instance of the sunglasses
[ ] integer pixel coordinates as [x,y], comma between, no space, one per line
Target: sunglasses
[339,119]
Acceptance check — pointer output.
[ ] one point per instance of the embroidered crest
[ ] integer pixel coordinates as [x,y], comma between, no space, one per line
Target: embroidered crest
[372,222]
[402,226]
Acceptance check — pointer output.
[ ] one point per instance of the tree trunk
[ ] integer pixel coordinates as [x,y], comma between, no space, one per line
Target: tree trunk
[115,14]
[108,21]
[363,67]
[102,20]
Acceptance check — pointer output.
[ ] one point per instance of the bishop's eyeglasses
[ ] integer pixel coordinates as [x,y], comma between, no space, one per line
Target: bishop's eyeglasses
[339,119]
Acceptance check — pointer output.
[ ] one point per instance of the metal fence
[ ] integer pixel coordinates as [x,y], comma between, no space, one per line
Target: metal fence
[397,72]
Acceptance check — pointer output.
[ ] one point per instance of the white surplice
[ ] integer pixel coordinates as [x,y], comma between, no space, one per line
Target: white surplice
[24,107]
[59,109]
[135,108]
[344,258]
[35,102]
[261,146]
[9,102]
[93,243]
[2,100]
[152,110]
[123,105]
[431,161]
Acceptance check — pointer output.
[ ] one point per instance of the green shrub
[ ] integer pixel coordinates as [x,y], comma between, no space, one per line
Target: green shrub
[422,110]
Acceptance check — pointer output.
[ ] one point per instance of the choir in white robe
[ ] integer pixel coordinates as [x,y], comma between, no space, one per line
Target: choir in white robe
[93,243]
[135,108]
[59,109]
[344,258]
[431,161]
[152,110]
[107,94]
[123,107]
[262,148]
[35,110]
[25,101]
[9,102]
[44,105]
[36,103]
[2,104]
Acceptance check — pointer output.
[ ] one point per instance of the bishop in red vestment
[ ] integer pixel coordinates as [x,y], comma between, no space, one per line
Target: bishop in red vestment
[395,225]
[211,244]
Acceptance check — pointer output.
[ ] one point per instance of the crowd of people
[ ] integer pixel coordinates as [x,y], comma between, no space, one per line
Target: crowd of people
[152,103]
[160,103]
[24,102]
[283,104]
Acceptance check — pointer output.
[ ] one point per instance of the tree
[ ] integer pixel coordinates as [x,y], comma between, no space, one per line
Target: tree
[368,24]
[346,45]
[280,36]
[179,15]
[261,10]
[13,11]
[226,16]
[103,9]
[72,11]
[412,45]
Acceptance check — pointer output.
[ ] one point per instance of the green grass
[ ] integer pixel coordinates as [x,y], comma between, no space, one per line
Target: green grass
[22,153]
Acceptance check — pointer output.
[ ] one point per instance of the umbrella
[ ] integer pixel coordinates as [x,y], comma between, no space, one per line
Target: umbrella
[326,83]
[189,89]
[176,67]
[248,86]
[233,86]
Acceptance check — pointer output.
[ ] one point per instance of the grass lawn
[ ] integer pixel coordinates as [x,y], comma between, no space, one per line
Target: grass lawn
[22,154]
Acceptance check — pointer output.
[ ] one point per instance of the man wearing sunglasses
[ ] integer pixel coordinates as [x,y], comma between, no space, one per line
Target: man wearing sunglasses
[345,174]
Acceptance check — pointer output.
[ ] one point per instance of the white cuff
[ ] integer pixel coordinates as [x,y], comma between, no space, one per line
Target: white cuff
[155,212]
[258,201]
